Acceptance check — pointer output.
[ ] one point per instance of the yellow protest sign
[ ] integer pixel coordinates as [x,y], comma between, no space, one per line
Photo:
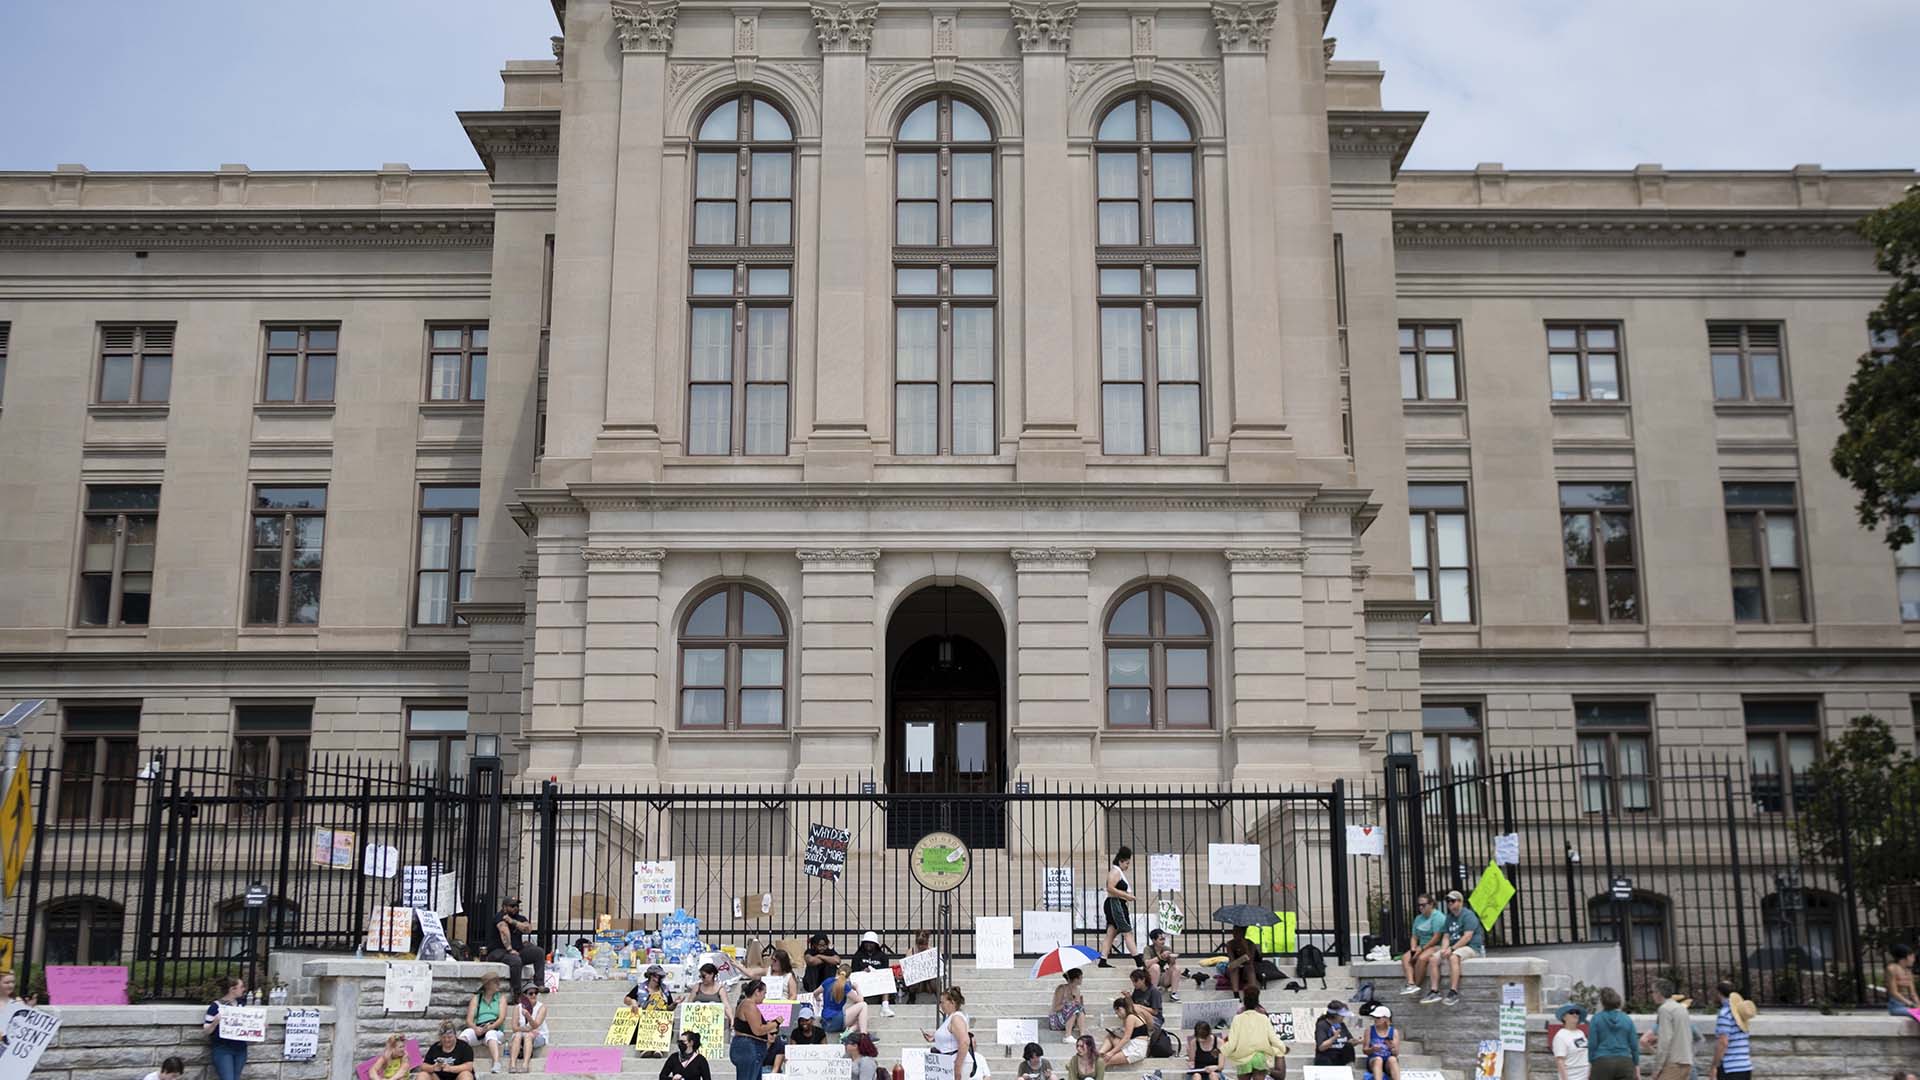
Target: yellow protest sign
[1276,938]
[655,1034]
[708,1018]
[16,830]
[1491,896]
[6,953]
[625,1023]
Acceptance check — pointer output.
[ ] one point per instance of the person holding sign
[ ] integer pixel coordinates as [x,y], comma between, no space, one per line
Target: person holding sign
[952,1036]
[229,1056]
[688,1063]
[873,956]
[529,1029]
[752,1033]
[1119,917]
[651,992]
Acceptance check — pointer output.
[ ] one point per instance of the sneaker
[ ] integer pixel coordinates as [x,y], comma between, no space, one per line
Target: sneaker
[1171,996]
[886,1008]
[1410,990]
[1432,998]
[1452,998]
[496,1067]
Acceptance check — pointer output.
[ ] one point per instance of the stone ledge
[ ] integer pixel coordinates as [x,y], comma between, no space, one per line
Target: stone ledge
[77,1016]
[1483,967]
[1782,1025]
[377,969]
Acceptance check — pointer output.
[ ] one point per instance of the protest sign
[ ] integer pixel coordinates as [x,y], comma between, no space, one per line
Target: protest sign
[1163,873]
[1086,910]
[1215,1014]
[389,930]
[1045,931]
[625,1025]
[1282,1020]
[781,1012]
[708,1018]
[919,967]
[433,935]
[302,1042]
[940,1066]
[1057,893]
[826,854]
[877,983]
[828,1062]
[1490,1062]
[1013,1032]
[446,896]
[408,987]
[576,1060]
[993,942]
[342,850]
[1422,1074]
[416,886]
[654,1031]
[380,860]
[322,847]
[86,985]
[1327,1072]
[1233,864]
[1366,840]
[243,1023]
[913,1062]
[1491,896]
[1171,918]
[653,888]
[1513,1027]
[29,1031]
[1506,849]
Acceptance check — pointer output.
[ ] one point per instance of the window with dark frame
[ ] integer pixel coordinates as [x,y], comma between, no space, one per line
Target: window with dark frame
[1452,753]
[1783,745]
[1906,567]
[136,365]
[1814,919]
[733,661]
[457,362]
[1749,362]
[1646,921]
[1148,256]
[300,364]
[449,552]
[84,930]
[946,256]
[1440,535]
[1763,552]
[271,743]
[1596,536]
[741,294]
[1584,362]
[1430,362]
[1159,662]
[283,568]
[1615,740]
[119,532]
[99,758]
[437,740]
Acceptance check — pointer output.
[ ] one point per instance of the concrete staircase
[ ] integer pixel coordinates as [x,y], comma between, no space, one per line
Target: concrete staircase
[577,1016]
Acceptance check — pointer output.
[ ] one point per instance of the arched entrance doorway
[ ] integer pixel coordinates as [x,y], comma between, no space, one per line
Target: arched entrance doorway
[946,715]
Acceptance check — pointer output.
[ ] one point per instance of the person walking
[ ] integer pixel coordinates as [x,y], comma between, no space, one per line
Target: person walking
[228,1056]
[752,1033]
[688,1063]
[1119,916]
[1732,1050]
[1251,1045]
[1570,1044]
[1672,1034]
[507,944]
[1068,1008]
[1613,1043]
[1423,944]
[1900,993]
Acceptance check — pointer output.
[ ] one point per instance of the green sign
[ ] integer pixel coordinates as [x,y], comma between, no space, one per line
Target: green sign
[940,862]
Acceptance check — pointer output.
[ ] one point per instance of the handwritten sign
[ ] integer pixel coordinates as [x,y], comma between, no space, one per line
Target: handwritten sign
[1233,864]
[29,1032]
[781,1012]
[1328,1072]
[408,987]
[826,854]
[343,848]
[416,886]
[1171,918]
[433,935]
[993,942]
[653,888]
[1303,1023]
[913,1062]
[654,1033]
[1490,1062]
[1016,1032]
[920,967]
[243,1023]
[1215,1014]
[940,1066]
[873,984]
[1366,840]
[1491,896]
[1057,893]
[626,1024]
[446,896]
[1422,1074]
[708,1019]
[88,985]
[826,1062]
[1163,873]
[380,860]
[582,1060]
[302,1042]
[1513,1027]
[389,930]
[322,849]
[1282,1020]
[1045,931]
[1506,849]
[1087,910]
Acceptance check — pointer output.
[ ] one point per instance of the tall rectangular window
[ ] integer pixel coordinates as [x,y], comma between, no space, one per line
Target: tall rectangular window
[1442,553]
[1429,362]
[283,567]
[1748,362]
[449,543]
[457,362]
[437,740]
[300,363]
[270,746]
[1616,755]
[1906,562]
[1583,362]
[1596,532]
[99,757]
[1783,743]
[116,554]
[741,349]
[136,365]
[1452,753]
[944,360]
[1763,551]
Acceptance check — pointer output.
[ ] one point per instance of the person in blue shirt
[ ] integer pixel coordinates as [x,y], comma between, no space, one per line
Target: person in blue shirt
[1462,938]
[1613,1043]
[1424,945]
[1732,1055]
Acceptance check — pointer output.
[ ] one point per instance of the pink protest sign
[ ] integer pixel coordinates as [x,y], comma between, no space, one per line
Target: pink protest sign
[365,1071]
[781,1011]
[1915,1013]
[583,1060]
[87,985]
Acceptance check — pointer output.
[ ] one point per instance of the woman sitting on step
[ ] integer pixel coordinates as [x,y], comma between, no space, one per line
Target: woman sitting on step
[1127,1045]
[1069,1009]
[1251,1045]
[841,1006]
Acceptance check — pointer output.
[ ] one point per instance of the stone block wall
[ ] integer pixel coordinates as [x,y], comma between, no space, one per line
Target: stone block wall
[131,1040]
[354,989]
[1452,1033]
[1786,1046]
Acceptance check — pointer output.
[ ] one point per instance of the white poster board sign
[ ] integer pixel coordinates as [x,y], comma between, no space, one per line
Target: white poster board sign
[827,1062]
[1233,864]
[416,886]
[243,1023]
[1086,912]
[408,988]
[940,1066]
[446,896]
[993,942]
[1513,1028]
[1422,1074]
[920,967]
[1506,849]
[303,1035]
[380,860]
[1332,1072]
[653,888]
[1045,931]
[1215,1014]
[29,1032]
[875,984]
[1367,840]
[1163,873]
[1057,894]
[1017,1032]
[431,931]
[913,1062]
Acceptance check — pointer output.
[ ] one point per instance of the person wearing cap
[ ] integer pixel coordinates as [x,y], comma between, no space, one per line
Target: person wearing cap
[1462,938]
[489,1014]
[1383,1046]
[1332,1039]
[805,1031]
[1570,1044]
[1613,1043]
[1672,1034]
[446,1056]
[1732,1052]
[651,991]
[507,944]
[873,956]
[529,1030]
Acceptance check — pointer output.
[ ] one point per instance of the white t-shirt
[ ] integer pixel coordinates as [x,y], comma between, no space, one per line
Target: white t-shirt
[1570,1043]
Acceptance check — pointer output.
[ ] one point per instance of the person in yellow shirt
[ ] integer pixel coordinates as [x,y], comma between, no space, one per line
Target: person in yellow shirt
[1251,1044]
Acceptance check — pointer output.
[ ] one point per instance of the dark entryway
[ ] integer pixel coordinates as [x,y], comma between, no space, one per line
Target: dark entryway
[946,730]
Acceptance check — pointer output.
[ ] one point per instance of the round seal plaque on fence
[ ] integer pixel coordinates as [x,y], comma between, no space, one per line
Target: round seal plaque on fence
[940,862]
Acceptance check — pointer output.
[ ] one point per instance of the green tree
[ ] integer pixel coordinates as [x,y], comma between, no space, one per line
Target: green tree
[1863,803]
[1879,452]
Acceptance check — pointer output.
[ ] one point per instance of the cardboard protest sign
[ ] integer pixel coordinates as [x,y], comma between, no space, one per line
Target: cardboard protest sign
[827,1062]
[86,985]
[913,1062]
[826,854]
[1215,1014]
[708,1018]
[653,888]
[302,1042]
[416,886]
[243,1023]
[782,1011]
[433,934]
[654,1033]
[920,967]
[1491,896]
[1171,918]
[1045,931]
[389,930]
[380,860]
[1367,840]
[1016,1032]
[29,1031]
[626,1024]
[940,1066]
[874,984]
[1163,873]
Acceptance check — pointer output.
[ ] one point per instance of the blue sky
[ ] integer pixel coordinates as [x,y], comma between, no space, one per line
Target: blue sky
[278,84]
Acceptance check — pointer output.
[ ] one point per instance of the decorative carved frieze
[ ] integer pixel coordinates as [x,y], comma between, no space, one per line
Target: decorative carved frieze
[645,25]
[1206,73]
[680,74]
[1052,557]
[1290,556]
[807,74]
[1082,72]
[845,27]
[1005,72]
[880,76]
[859,559]
[1244,27]
[615,557]
[1044,26]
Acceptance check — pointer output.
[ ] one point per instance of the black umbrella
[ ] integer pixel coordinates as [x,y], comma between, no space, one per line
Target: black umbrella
[1245,915]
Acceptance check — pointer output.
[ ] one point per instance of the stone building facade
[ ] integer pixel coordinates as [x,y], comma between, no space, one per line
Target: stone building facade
[941,395]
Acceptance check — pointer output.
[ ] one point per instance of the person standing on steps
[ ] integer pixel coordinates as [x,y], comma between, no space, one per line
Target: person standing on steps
[1119,916]
[752,1033]
[953,1037]
[1570,1044]
[507,944]
[229,1056]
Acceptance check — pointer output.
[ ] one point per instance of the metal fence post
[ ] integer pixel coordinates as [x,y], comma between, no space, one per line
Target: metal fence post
[284,871]
[360,857]
[1853,899]
[1396,840]
[1739,890]
[1516,923]
[39,843]
[1342,918]
[1456,870]
[150,860]
[1622,907]
[549,859]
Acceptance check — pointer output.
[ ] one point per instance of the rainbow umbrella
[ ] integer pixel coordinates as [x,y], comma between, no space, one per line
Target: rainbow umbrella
[1064,958]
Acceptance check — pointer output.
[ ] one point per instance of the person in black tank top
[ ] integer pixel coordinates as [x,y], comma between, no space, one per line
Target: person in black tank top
[1119,918]
[1203,1052]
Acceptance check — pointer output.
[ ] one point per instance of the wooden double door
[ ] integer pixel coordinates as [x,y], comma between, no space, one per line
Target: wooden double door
[946,737]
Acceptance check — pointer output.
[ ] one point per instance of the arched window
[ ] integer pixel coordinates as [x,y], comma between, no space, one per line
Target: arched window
[83,930]
[741,280]
[945,280]
[246,931]
[1646,918]
[1811,920]
[733,661]
[1149,260]
[1159,661]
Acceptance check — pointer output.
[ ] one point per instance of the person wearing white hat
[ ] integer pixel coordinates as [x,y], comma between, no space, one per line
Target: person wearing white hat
[873,956]
[1383,1046]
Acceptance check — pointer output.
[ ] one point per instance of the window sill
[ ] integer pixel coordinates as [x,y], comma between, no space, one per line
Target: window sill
[127,411]
[473,408]
[781,732]
[107,631]
[1773,628]
[1427,405]
[293,409]
[279,631]
[1620,406]
[1753,408]
[1164,733]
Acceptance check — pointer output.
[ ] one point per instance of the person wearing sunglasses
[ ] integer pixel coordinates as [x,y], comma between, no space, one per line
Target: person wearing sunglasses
[1429,924]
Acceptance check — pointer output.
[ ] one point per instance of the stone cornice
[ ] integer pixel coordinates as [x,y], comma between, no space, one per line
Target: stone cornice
[1397,611]
[1042,558]
[861,559]
[645,25]
[512,133]
[484,614]
[613,558]
[845,26]
[1044,26]
[1374,133]
[1293,556]
[1244,27]
[233,660]
[1504,226]
[371,227]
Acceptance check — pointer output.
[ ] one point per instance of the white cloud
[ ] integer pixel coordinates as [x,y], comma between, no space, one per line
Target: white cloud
[1613,83]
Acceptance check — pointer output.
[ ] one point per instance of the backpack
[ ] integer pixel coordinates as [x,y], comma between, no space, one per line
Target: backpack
[1310,962]
[1163,1044]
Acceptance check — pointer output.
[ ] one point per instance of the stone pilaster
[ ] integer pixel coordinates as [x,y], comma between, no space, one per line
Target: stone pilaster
[838,722]
[1056,717]
[622,723]
[1393,670]
[559,645]
[1267,726]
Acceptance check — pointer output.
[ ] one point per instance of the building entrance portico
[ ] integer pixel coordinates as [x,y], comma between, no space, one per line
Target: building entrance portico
[946,710]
